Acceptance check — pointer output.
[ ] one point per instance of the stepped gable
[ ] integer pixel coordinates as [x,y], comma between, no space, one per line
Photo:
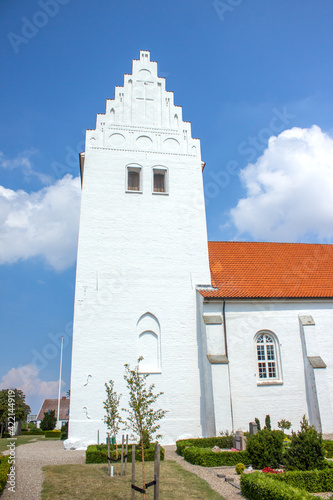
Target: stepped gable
[142,116]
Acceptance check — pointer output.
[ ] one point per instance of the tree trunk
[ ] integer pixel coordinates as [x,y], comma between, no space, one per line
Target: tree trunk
[115,441]
[143,464]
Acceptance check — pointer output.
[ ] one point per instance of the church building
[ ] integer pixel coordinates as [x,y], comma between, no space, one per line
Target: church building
[229,331]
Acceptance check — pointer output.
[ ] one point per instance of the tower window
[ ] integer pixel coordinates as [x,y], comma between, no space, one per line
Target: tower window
[133,179]
[159,180]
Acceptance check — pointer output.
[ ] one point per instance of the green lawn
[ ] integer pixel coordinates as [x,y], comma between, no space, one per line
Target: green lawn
[85,482]
[19,440]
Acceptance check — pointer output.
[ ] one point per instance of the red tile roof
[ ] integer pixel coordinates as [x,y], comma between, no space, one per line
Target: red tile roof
[270,270]
[52,404]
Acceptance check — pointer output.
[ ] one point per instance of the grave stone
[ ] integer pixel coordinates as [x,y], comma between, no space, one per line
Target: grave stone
[239,441]
[253,428]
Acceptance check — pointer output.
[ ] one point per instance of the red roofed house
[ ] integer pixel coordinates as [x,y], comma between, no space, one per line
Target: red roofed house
[52,404]
[228,331]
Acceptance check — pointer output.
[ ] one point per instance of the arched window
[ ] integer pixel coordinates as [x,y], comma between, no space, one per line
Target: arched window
[268,357]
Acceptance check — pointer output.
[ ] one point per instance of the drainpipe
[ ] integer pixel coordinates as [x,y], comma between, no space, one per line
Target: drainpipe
[226,352]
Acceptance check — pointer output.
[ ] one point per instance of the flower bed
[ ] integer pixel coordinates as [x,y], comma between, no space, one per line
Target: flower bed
[269,470]
[199,452]
[221,442]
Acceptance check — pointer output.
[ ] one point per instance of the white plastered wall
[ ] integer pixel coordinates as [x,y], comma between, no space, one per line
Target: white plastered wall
[288,399]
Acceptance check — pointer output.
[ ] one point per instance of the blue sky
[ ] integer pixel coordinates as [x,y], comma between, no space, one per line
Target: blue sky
[255,80]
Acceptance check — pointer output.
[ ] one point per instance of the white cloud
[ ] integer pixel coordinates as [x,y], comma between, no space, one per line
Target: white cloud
[26,378]
[22,161]
[289,189]
[43,223]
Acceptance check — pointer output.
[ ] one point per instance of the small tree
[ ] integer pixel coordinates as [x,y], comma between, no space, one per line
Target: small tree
[8,407]
[306,451]
[284,424]
[111,405]
[49,421]
[268,423]
[142,417]
[257,421]
[265,448]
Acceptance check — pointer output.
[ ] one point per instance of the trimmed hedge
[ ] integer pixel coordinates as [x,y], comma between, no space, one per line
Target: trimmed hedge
[315,481]
[34,432]
[53,434]
[208,458]
[221,442]
[4,470]
[259,486]
[98,453]
[328,446]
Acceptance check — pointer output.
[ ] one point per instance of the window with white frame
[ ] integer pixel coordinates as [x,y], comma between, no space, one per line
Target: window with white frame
[133,181]
[268,362]
[160,180]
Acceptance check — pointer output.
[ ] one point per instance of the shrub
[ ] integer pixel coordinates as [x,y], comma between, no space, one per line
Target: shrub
[328,446]
[259,486]
[314,480]
[240,468]
[98,454]
[64,427]
[208,458]
[265,448]
[53,434]
[64,431]
[49,421]
[257,421]
[221,442]
[4,470]
[306,451]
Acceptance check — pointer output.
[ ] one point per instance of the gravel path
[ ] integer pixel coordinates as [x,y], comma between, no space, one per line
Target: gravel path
[30,458]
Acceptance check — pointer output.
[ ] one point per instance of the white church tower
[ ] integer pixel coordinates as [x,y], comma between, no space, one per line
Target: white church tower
[142,251]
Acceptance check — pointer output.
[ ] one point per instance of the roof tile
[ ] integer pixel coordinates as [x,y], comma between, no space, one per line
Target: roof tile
[52,404]
[270,270]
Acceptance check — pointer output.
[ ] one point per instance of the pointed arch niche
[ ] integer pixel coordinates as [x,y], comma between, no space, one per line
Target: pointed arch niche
[149,343]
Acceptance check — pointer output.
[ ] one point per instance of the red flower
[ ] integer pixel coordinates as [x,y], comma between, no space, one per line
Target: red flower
[272,471]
